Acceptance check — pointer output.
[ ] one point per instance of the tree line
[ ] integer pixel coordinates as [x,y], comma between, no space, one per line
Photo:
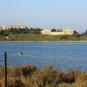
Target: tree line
[13,31]
[34,34]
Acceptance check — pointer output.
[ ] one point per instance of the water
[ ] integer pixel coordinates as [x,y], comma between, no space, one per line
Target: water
[60,55]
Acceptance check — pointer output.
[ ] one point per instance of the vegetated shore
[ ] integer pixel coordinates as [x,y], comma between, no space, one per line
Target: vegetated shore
[30,76]
[47,41]
[43,38]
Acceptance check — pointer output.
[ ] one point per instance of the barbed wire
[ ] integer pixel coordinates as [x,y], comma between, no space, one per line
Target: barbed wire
[1,53]
[29,56]
[50,57]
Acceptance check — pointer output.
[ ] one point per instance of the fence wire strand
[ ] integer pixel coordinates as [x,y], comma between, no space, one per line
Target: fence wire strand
[55,59]
[1,53]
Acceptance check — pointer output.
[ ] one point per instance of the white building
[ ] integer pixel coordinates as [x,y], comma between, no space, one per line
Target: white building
[6,27]
[58,32]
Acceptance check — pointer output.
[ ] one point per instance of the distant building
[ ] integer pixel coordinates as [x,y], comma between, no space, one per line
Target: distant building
[6,27]
[46,31]
[68,31]
[58,32]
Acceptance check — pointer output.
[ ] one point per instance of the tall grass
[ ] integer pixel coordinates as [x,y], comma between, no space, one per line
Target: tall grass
[31,76]
[41,37]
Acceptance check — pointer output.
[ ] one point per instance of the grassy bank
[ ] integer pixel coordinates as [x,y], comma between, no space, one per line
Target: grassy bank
[31,76]
[40,37]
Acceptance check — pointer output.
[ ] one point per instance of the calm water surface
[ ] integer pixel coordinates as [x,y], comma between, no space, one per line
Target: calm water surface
[60,55]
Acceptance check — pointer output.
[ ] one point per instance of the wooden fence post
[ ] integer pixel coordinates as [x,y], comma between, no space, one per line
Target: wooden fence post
[5,61]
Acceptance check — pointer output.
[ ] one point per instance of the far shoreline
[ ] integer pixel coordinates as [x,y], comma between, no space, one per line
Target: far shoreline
[48,41]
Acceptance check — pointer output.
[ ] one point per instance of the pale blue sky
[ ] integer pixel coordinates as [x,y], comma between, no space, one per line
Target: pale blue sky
[45,13]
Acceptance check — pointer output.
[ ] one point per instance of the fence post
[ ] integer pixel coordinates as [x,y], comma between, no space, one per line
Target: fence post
[5,61]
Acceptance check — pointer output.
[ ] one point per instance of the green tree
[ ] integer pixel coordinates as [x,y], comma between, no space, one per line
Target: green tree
[86,32]
[37,31]
[14,31]
[53,30]
[1,32]
[75,32]
[32,31]
[6,33]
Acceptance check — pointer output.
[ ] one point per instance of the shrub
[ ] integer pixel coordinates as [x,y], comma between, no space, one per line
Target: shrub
[16,83]
[30,76]
[14,71]
[28,70]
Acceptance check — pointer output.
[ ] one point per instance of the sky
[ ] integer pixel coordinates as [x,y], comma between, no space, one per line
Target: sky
[47,14]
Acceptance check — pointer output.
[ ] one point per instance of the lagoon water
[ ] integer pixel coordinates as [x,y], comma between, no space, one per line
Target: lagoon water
[61,55]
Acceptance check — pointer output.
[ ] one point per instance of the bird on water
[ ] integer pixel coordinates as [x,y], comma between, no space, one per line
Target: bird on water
[20,53]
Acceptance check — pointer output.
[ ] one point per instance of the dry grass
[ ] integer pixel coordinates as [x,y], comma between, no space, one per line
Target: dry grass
[30,76]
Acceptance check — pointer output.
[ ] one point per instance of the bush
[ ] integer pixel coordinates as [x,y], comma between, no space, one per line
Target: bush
[30,76]
[28,70]
[16,83]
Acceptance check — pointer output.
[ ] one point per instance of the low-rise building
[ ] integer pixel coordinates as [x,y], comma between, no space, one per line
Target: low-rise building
[6,27]
[46,31]
[58,32]
[68,32]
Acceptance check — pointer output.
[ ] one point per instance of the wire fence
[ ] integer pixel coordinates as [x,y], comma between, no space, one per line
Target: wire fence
[46,57]
[31,56]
